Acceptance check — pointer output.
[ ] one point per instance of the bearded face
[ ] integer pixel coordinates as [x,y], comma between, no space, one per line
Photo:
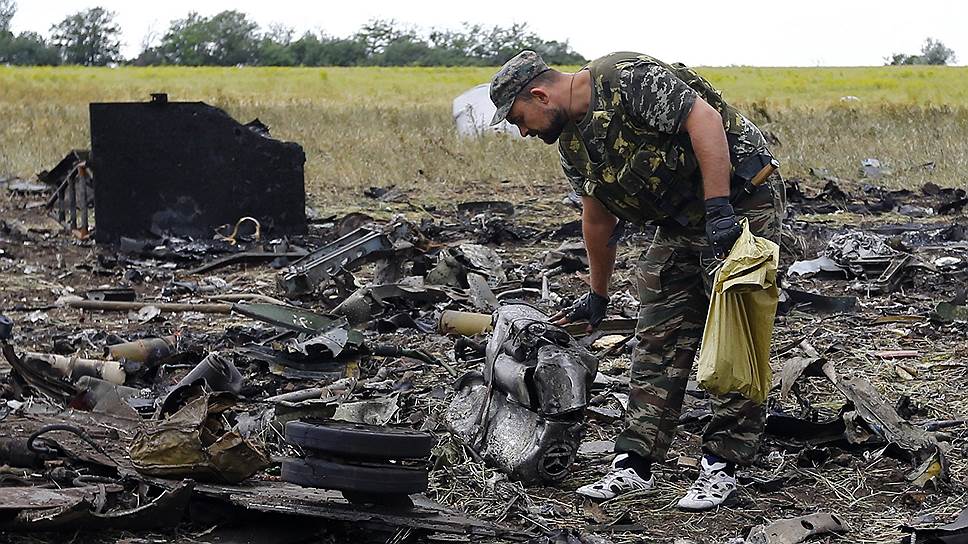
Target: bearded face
[556,119]
[542,121]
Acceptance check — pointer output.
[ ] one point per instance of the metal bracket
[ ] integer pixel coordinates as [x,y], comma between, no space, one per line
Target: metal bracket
[347,252]
[893,271]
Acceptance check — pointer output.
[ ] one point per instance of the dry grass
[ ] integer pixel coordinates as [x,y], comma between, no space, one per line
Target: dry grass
[383,126]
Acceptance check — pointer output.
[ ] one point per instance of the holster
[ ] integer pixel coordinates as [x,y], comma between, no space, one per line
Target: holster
[745,171]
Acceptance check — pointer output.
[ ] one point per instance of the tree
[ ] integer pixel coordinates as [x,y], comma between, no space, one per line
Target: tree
[225,39]
[274,48]
[932,52]
[27,49]
[8,8]
[378,34]
[234,38]
[935,52]
[310,50]
[88,37]
[230,38]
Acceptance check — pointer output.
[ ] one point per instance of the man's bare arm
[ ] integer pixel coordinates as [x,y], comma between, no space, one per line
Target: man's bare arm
[597,225]
[705,128]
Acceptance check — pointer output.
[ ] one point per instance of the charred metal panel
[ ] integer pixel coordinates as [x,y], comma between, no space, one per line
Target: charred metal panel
[187,168]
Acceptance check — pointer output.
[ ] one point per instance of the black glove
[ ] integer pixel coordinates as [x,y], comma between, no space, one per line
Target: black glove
[722,228]
[591,306]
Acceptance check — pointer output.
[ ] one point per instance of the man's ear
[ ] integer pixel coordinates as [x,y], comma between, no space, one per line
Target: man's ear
[540,95]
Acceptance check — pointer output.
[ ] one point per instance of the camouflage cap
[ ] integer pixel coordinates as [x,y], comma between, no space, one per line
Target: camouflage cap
[511,78]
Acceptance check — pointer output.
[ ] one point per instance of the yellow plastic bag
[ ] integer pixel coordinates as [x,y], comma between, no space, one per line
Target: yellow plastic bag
[735,353]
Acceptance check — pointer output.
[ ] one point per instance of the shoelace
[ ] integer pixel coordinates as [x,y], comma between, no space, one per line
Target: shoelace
[704,483]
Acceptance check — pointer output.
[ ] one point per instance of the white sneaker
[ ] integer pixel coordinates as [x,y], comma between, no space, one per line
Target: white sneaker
[617,482]
[710,490]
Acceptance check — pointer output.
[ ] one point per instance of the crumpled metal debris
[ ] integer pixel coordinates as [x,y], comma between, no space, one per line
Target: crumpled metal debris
[845,249]
[377,411]
[84,508]
[194,442]
[815,266]
[524,412]
[955,532]
[796,530]
[869,418]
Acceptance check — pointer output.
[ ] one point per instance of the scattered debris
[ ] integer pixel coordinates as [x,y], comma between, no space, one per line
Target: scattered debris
[123,341]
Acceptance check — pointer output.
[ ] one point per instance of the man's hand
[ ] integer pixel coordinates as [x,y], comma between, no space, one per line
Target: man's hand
[590,307]
[722,228]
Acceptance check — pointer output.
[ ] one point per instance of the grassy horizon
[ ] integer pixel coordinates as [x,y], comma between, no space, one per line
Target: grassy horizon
[364,126]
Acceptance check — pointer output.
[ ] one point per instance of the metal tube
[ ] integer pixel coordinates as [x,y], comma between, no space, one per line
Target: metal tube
[464,323]
[146,350]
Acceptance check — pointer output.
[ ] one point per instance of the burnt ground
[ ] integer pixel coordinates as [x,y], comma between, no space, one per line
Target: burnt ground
[891,339]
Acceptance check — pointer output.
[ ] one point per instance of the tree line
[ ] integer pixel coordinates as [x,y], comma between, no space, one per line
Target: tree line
[932,52]
[92,38]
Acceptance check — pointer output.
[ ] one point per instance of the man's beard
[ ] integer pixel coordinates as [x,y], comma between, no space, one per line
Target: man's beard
[557,120]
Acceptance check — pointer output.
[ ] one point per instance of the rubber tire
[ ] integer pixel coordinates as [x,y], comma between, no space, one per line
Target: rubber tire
[340,438]
[376,479]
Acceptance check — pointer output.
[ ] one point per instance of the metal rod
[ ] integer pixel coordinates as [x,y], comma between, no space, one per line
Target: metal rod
[82,193]
[117,306]
[72,198]
[61,205]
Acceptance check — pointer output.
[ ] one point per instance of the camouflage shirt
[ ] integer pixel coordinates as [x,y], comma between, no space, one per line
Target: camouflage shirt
[630,151]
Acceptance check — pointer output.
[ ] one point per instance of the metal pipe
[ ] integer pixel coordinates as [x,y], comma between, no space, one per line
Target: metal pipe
[453,322]
[73,368]
[146,350]
[117,306]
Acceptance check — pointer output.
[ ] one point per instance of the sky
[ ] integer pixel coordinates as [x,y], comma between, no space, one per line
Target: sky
[698,33]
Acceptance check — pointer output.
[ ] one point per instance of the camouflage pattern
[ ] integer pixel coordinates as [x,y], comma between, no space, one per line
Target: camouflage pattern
[674,280]
[511,79]
[629,151]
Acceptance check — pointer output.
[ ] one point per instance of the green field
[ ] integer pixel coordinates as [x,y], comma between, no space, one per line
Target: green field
[382,126]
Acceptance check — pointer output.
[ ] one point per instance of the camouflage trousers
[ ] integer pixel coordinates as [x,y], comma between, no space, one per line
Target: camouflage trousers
[674,280]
